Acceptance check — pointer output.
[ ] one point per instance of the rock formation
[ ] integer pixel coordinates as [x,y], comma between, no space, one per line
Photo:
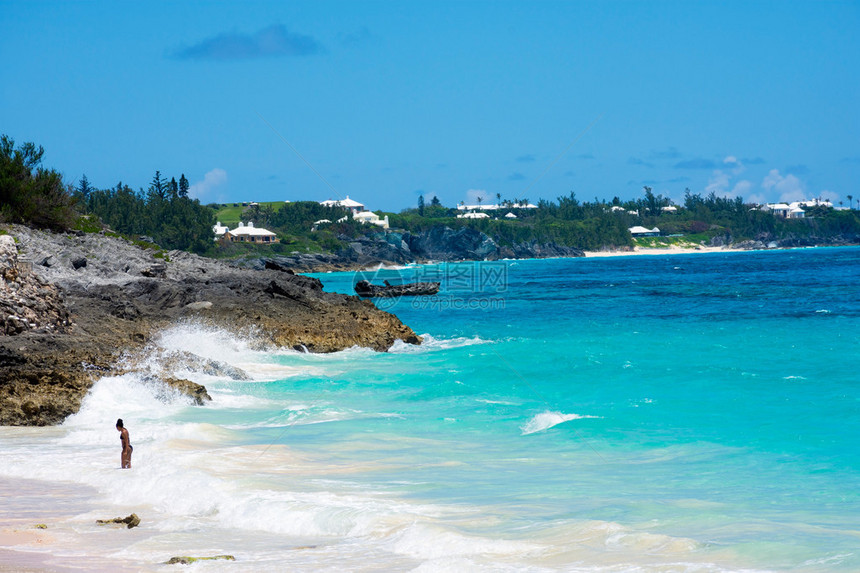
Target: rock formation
[130,521]
[439,243]
[185,560]
[65,323]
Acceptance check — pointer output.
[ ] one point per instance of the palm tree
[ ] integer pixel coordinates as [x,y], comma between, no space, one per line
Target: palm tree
[499,199]
[849,201]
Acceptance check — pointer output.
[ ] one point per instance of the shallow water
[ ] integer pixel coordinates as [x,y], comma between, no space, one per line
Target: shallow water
[669,413]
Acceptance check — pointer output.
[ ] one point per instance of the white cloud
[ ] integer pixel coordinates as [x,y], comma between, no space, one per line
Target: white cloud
[721,179]
[428,197]
[757,198]
[210,184]
[473,194]
[735,164]
[789,187]
[831,196]
[718,183]
[742,188]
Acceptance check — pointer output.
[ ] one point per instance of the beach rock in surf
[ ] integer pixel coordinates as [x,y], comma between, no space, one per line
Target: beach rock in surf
[131,521]
[184,560]
[180,360]
[64,327]
[195,391]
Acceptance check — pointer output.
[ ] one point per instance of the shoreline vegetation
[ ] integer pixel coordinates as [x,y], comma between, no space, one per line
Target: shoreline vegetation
[308,236]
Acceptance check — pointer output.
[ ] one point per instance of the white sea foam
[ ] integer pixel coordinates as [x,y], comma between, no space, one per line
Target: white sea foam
[209,342]
[431,343]
[425,541]
[546,420]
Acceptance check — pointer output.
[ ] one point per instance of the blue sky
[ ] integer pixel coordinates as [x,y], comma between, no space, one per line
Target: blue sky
[390,100]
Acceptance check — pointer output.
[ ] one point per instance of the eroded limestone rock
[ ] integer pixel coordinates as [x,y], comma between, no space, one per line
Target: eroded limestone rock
[130,521]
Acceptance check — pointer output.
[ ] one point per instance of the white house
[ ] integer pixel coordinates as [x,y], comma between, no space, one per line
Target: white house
[219,229]
[510,216]
[796,213]
[347,203]
[369,217]
[250,234]
[473,216]
[779,209]
[639,231]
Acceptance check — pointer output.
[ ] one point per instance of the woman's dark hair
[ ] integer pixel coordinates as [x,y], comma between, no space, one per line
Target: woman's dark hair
[119,422]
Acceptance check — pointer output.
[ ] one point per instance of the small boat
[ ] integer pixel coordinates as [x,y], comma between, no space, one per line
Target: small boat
[365,289]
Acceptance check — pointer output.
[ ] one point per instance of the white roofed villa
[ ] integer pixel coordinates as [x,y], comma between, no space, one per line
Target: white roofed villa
[250,234]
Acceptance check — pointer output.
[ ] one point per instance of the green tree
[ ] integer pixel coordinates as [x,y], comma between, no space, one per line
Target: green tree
[158,186]
[84,188]
[29,193]
[421,205]
[183,186]
[651,202]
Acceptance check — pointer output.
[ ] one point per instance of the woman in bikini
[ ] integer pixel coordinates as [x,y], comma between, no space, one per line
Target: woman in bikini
[126,446]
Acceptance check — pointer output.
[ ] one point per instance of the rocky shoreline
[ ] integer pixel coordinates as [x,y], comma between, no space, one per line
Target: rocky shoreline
[438,244]
[72,304]
[443,244]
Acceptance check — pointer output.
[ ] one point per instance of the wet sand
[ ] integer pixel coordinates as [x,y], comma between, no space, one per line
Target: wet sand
[24,547]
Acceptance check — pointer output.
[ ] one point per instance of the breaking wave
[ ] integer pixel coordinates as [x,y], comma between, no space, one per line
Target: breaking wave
[546,420]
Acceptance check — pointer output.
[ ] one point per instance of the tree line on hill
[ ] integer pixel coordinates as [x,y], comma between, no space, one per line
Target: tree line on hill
[596,225]
[163,212]
[32,194]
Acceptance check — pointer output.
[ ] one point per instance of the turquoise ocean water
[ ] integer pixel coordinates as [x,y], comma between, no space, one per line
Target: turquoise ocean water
[655,413]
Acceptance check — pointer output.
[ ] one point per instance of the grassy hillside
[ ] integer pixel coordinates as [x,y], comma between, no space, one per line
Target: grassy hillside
[231,213]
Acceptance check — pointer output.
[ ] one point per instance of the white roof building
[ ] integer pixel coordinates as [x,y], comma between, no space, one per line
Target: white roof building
[250,234]
[639,231]
[779,209]
[347,203]
[473,216]
[219,229]
[510,216]
[371,218]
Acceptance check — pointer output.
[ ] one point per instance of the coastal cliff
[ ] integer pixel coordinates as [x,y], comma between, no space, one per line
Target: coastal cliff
[439,243]
[71,304]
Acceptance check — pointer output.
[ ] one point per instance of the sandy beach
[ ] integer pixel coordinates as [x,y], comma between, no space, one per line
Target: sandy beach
[675,250]
[26,546]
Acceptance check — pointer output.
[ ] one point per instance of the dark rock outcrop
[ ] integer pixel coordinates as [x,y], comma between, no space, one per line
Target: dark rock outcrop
[366,289]
[196,391]
[440,243]
[131,521]
[185,560]
[70,325]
